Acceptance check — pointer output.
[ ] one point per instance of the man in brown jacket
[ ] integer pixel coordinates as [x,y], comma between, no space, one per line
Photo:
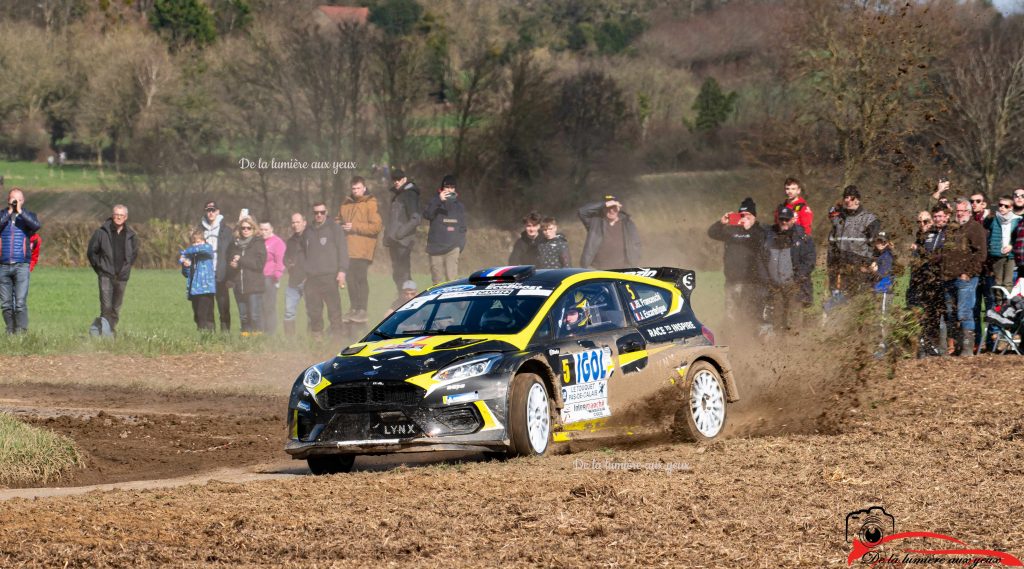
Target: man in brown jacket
[361,221]
[963,257]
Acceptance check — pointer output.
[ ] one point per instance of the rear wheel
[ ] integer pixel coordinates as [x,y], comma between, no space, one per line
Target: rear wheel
[702,417]
[529,416]
[330,463]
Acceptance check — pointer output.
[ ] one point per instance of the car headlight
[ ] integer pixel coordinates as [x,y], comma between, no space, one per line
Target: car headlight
[464,370]
[312,377]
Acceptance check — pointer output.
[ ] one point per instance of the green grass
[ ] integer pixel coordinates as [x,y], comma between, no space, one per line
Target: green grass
[156,317]
[33,456]
[40,176]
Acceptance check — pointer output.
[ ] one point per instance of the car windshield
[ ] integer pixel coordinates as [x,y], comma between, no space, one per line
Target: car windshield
[461,313]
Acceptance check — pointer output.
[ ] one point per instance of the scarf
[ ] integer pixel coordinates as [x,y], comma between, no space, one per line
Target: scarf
[1005,221]
[244,242]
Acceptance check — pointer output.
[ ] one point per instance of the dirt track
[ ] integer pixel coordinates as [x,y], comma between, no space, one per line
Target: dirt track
[940,446]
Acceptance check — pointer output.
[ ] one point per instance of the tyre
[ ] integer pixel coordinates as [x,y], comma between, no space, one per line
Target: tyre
[330,463]
[702,417]
[529,416]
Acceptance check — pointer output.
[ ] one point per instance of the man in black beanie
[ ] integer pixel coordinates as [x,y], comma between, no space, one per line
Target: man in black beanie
[743,237]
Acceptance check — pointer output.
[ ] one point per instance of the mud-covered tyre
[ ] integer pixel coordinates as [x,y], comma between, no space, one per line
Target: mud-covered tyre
[703,414]
[529,416]
[330,463]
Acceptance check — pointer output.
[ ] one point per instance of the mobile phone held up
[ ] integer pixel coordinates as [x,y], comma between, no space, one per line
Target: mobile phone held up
[735,217]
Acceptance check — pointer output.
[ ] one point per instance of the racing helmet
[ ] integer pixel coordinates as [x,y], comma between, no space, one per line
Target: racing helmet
[577,313]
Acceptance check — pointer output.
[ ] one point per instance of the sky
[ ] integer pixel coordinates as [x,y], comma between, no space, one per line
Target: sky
[1005,6]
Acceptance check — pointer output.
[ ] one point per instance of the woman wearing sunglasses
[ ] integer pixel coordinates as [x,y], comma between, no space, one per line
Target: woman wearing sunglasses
[247,255]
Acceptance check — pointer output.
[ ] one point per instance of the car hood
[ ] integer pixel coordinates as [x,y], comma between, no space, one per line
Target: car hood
[402,358]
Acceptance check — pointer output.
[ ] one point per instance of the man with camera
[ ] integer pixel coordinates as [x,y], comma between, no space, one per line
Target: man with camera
[17,226]
[743,237]
[446,237]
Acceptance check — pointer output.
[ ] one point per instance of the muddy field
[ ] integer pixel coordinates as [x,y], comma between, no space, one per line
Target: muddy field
[940,445]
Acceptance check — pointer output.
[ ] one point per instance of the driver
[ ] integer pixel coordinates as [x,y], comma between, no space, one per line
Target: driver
[577,315]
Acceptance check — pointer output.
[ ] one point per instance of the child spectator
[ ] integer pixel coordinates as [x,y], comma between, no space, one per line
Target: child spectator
[200,279]
[524,250]
[552,247]
[409,292]
[882,268]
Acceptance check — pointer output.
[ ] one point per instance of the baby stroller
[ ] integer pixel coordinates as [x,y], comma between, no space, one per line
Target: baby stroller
[1008,317]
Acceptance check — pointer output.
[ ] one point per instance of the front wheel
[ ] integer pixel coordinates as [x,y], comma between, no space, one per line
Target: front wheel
[702,417]
[330,463]
[529,416]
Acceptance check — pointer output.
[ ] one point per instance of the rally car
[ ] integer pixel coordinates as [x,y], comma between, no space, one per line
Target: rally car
[509,361]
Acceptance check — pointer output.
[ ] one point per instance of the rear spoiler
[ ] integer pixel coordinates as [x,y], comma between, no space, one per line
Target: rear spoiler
[683,279]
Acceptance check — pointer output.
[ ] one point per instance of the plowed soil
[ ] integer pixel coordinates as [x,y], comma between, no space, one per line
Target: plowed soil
[938,443]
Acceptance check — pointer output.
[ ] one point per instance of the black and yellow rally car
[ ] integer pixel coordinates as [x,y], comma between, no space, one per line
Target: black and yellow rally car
[510,360]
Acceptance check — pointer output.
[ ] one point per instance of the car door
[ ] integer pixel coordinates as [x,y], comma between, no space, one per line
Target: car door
[588,322]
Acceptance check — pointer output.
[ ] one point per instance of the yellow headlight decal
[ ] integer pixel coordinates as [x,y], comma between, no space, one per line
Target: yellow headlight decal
[424,380]
[324,384]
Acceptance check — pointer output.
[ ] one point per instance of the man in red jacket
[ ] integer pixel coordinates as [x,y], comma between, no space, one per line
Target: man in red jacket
[796,202]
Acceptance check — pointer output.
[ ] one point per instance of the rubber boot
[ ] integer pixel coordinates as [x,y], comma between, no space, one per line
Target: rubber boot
[967,347]
[289,327]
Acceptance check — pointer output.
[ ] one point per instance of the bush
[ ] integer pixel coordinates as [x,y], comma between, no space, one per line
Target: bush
[66,244]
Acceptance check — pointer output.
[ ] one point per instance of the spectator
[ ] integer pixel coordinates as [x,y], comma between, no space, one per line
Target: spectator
[882,269]
[850,246]
[295,262]
[218,235]
[926,290]
[744,237]
[939,195]
[963,257]
[326,263]
[400,231]
[447,235]
[1000,243]
[796,202]
[787,261]
[35,243]
[1018,202]
[361,223]
[613,241]
[524,251]
[17,226]
[112,252]
[200,278]
[409,292]
[983,295]
[248,257]
[552,247]
[273,270]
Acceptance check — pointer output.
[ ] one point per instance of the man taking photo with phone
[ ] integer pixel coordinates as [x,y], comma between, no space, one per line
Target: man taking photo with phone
[743,237]
[17,226]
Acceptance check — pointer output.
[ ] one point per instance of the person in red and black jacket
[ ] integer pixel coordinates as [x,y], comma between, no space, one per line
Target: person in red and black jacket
[34,243]
[796,202]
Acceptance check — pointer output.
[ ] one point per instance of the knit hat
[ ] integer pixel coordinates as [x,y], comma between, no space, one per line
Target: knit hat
[748,206]
[851,191]
[448,180]
[397,174]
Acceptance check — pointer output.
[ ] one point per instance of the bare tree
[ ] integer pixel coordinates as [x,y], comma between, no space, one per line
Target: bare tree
[981,125]
[865,63]
[396,76]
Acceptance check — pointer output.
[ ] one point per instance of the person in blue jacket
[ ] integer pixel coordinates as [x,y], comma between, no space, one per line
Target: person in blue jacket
[17,226]
[200,279]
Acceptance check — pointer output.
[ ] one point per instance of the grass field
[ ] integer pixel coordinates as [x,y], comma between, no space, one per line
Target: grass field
[156,317]
[40,176]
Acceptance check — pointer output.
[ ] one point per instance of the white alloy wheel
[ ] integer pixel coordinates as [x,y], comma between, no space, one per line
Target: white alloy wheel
[707,403]
[538,418]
